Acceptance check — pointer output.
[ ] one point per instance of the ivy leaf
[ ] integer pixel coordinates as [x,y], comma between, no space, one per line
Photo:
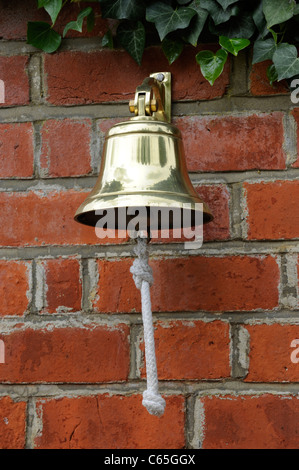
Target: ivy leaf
[52,7]
[278,11]
[166,19]
[260,20]
[272,74]
[286,61]
[122,9]
[42,36]
[233,45]
[241,26]
[216,11]
[197,23]
[172,49]
[78,24]
[132,38]
[211,65]
[226,3]
[107,40]
[263,50]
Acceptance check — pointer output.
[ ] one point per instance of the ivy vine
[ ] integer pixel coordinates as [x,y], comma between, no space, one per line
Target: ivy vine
[270,26]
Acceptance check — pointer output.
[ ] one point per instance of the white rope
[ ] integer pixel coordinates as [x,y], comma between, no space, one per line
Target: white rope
[143,277]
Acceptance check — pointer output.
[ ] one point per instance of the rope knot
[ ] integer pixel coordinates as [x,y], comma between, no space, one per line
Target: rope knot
[140,269]
[154,403]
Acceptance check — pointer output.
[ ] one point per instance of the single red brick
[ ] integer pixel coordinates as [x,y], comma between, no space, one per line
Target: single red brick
[14,287]
[80,77]
[12,423]
[51,220]
[259,82]
[191,284]
[233,143]
[63,285]
[192,350]
[66,147]
[295,114]
[109,422]
[66,355]
[272,210]
[270,353]
[14,18]
[16,83]
[251,422]
[16,150]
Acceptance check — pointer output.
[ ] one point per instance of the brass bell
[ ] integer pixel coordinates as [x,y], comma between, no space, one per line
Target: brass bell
[143,165]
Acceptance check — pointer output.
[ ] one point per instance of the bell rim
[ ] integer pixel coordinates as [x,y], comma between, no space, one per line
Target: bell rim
[90,206]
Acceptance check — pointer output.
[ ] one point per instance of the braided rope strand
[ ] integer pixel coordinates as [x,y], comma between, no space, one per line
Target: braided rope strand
[143,278]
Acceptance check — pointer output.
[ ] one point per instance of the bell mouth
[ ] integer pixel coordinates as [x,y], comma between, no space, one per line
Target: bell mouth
[153,211]
[152,220]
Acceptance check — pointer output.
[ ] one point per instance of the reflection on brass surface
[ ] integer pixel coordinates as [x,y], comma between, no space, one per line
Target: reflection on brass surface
[143,165]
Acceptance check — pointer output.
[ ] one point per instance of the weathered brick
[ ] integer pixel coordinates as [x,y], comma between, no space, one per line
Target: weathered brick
[191,284]
[259,82]
[251,422]
[16,150]
[66,355]
[81,78]
[14,287]
[12,423]
[233,143]
[270,353]
[63,289]
[66,147]
[217,197]
[109,422]
[13,73]
[272,210]
[199,350]
[51,219]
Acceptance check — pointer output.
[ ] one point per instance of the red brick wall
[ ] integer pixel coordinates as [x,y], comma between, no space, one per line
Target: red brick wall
[225,315]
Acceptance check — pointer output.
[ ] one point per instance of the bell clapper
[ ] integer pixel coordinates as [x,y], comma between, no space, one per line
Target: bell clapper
[143,278]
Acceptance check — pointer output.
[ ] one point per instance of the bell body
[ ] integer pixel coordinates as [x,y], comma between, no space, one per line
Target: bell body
[143,165]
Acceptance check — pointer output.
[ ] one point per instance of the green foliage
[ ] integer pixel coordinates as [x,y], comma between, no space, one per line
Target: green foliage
[167,19]
[233,45]
[271,26]
[42,36]
[211,65]
[78,24]
[131,36]
[172,49]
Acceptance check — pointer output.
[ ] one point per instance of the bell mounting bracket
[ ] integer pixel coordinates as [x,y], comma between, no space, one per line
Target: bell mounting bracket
[153,97]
